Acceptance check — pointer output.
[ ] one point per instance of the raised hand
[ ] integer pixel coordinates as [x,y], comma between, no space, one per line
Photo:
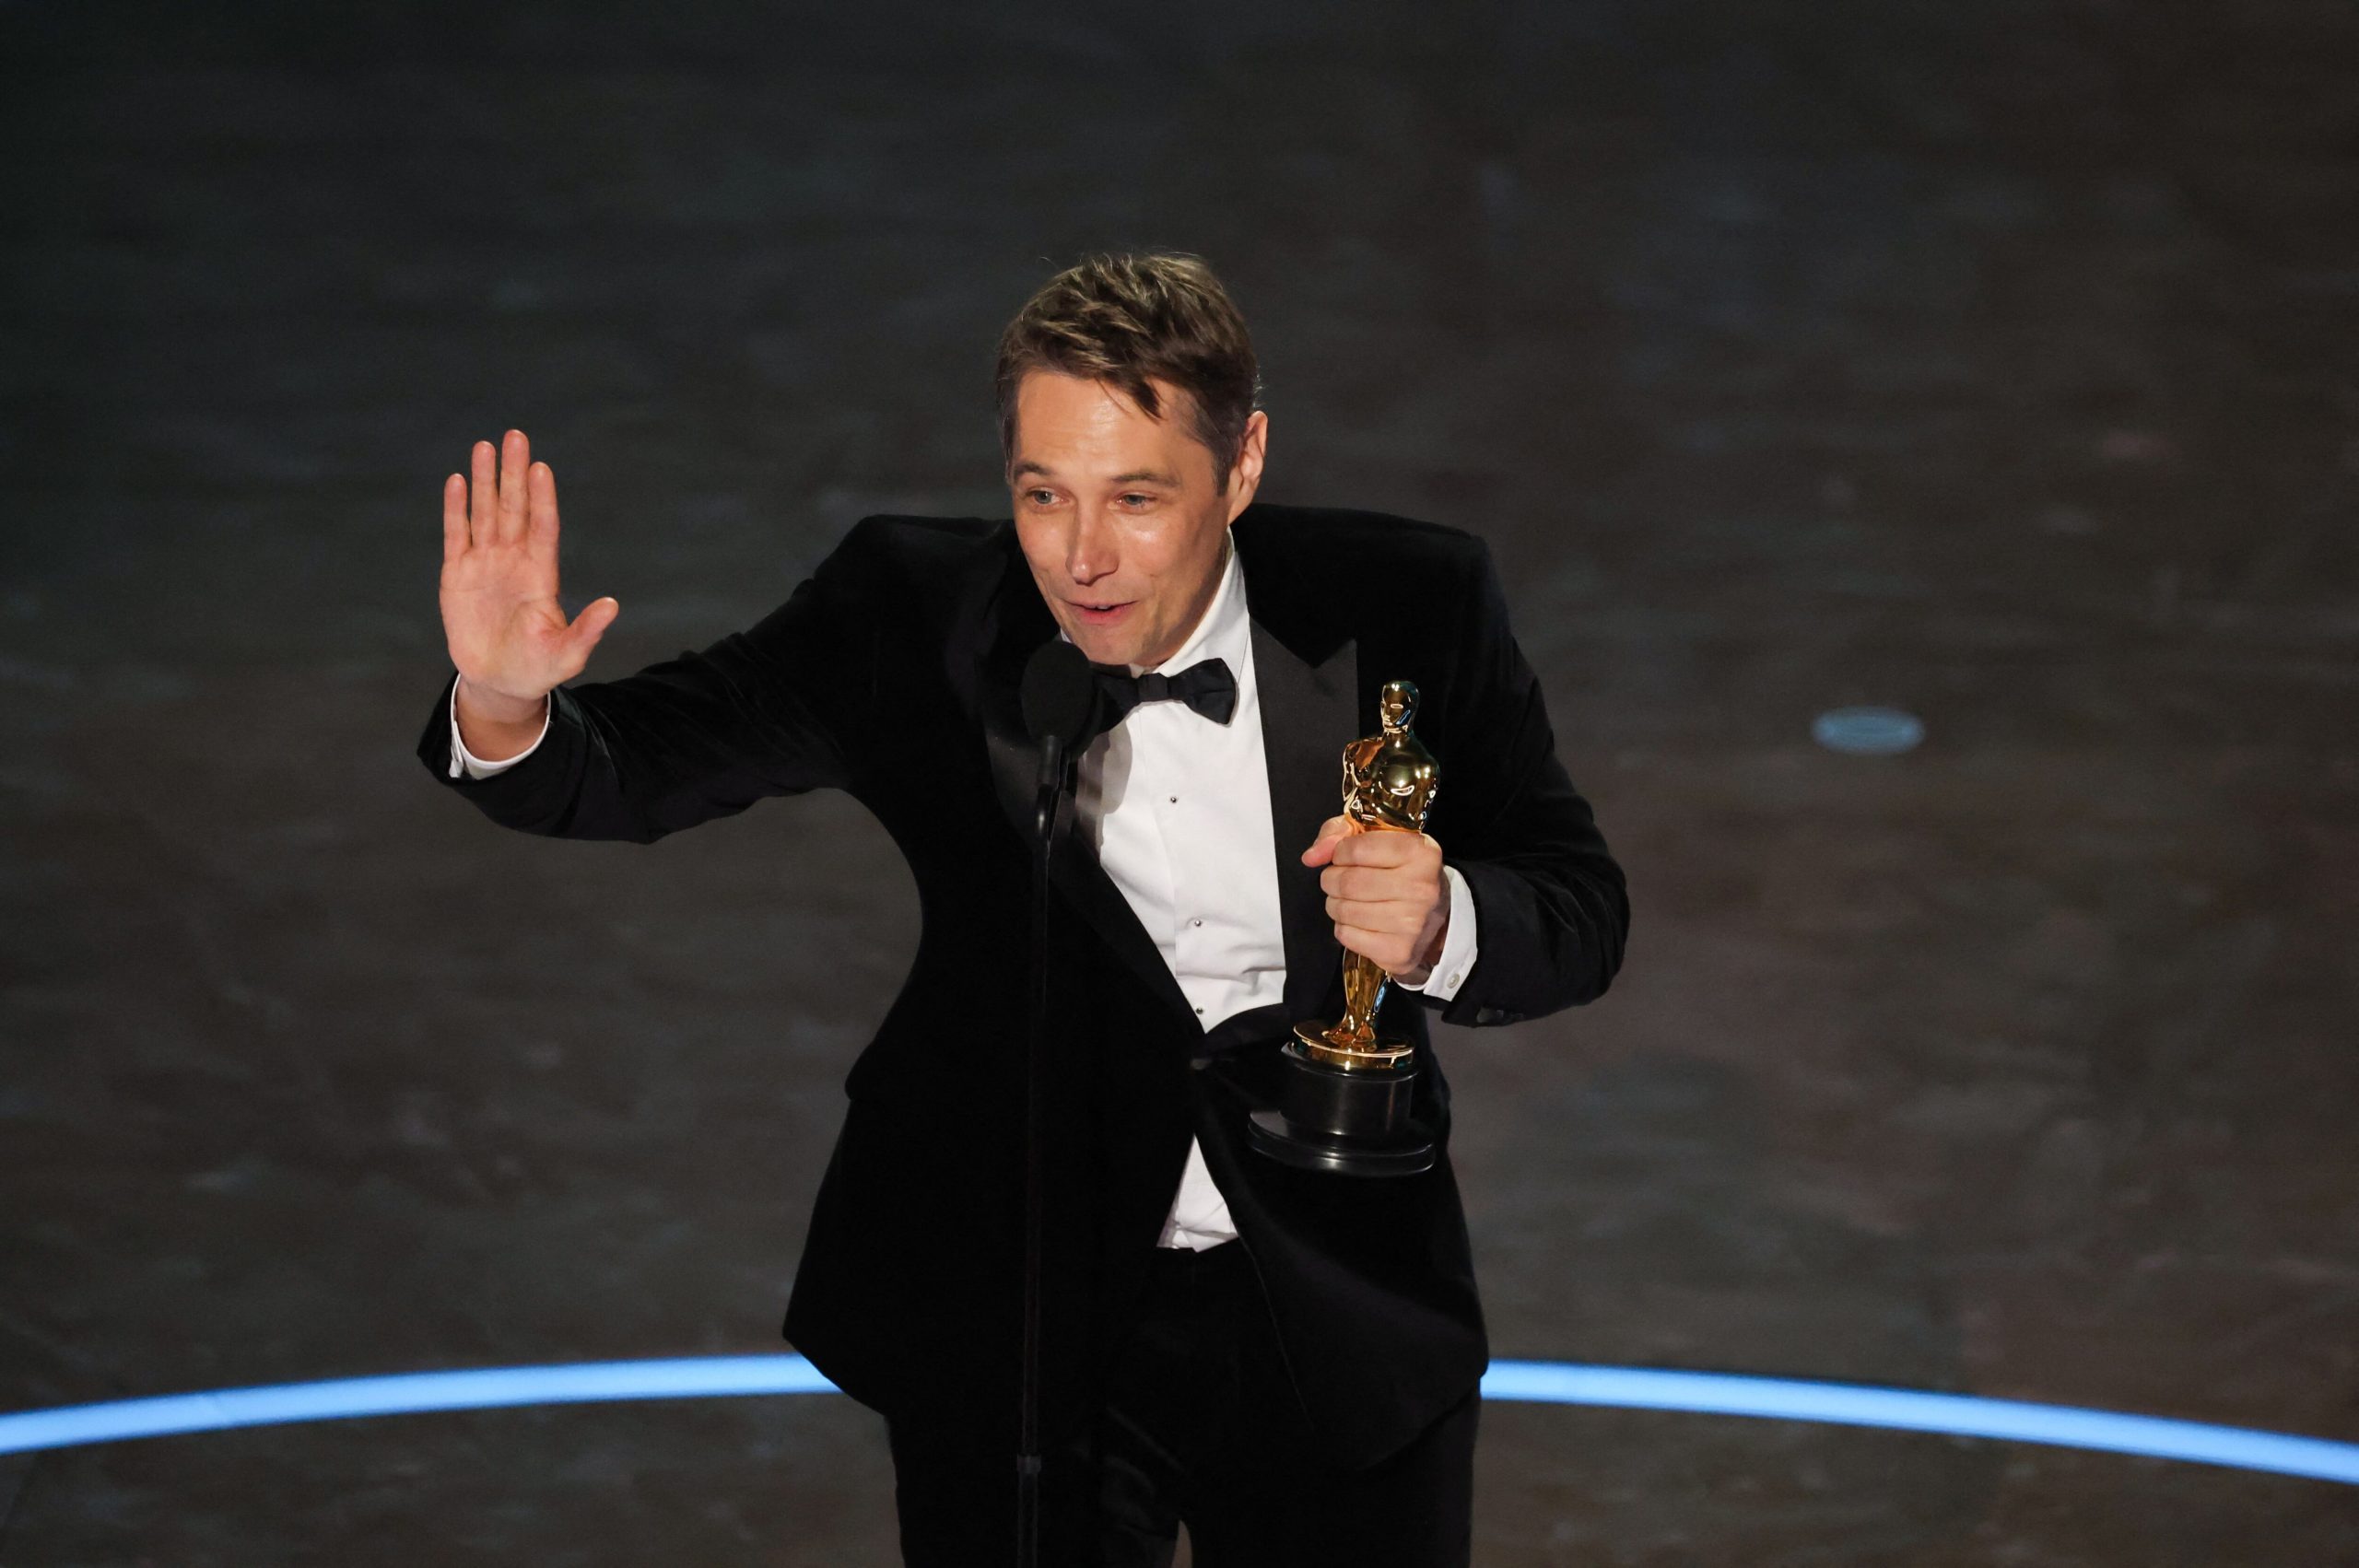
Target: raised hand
[508,634]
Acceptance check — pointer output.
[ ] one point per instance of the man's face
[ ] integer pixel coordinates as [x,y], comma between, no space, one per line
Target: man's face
[1119,514]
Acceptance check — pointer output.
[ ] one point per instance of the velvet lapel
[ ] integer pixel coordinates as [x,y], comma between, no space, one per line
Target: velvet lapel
[1016,623]
[1305,719]
[1306,673]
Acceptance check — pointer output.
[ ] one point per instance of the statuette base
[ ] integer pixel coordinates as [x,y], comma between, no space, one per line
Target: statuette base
[1351,1120]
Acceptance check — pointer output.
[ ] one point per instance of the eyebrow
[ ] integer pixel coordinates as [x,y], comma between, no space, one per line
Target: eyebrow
[1135,477]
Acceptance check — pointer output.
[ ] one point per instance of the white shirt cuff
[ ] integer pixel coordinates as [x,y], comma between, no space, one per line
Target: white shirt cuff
[477,768]
[1458,949]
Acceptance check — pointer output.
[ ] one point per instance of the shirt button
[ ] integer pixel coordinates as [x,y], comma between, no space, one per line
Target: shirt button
[1200,1009]
[1175,800]
[1197,921]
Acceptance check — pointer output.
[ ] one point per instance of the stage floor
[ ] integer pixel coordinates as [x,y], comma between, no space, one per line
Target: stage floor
[1992,364]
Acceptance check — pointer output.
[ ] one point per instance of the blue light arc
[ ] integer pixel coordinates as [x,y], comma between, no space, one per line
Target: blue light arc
[1542,1382]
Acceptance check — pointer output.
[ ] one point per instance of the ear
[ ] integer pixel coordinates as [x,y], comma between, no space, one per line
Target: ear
[1246,476]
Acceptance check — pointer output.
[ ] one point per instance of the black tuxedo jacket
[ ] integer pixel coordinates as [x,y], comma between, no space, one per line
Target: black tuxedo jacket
[891,673]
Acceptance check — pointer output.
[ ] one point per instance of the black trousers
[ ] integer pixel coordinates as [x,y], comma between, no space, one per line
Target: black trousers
[1198,1424]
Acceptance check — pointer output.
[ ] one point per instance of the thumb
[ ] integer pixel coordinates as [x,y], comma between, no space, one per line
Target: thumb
[1322,848]
[590,624]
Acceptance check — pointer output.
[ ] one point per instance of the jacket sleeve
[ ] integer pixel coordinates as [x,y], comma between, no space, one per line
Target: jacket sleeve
[789,705]
[1550,900]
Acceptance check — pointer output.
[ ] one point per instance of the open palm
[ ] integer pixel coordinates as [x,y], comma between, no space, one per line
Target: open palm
[507,634]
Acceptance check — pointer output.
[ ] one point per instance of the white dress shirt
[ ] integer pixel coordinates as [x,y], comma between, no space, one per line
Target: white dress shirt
[1178,809]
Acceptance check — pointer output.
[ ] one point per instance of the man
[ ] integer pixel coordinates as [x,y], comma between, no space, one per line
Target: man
[1286,1359]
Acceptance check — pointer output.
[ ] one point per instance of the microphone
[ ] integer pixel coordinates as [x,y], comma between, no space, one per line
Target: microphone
[1059,696]
[1061,705]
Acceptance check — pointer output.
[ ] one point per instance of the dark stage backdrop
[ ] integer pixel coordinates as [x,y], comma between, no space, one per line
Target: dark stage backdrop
[1991,361]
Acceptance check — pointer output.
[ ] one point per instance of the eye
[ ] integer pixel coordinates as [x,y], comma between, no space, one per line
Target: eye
[1038,498]
[1135,496]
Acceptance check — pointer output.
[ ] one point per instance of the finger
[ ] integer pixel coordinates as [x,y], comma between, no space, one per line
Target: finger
[541,503]
[1330,831]
[1382,849]
[1340,881]
[481,494]
[454,518]
[1375,919]
[514,453]
[1386,952]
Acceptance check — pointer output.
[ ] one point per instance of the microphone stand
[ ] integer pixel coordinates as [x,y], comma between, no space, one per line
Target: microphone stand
[1047,820]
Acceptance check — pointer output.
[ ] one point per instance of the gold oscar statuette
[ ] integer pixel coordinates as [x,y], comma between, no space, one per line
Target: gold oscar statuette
[1345,1102]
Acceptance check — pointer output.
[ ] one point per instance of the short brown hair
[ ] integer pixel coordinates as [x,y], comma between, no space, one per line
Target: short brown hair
[1123,318]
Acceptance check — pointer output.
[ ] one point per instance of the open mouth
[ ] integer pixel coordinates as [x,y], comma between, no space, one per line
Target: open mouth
[1096,614]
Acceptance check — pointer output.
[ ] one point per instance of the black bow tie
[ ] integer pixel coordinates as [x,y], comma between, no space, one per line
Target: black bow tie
[1207,687]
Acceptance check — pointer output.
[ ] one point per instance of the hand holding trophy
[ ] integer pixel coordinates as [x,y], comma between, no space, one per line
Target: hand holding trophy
[1344,1107]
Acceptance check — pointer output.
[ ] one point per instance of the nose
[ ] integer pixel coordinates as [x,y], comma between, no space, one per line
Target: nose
[1090,551]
